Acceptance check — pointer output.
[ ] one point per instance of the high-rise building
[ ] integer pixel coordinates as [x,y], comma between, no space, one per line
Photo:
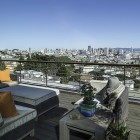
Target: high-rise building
[106,51]
[30,52]
[132,50]
[89,48]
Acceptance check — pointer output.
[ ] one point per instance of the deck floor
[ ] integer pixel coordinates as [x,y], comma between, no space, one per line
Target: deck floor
[47,126]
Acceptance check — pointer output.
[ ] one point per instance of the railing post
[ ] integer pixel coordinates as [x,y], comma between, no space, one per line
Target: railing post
[79,78]
[46,73]
[20,72]
[124,75]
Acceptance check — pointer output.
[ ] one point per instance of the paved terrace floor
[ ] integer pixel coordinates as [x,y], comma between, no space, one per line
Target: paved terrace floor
[47,126]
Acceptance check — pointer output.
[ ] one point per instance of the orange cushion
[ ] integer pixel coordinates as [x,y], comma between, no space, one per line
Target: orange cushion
[5,75]
[7,105]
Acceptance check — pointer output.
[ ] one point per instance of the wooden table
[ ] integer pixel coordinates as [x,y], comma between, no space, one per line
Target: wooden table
[96,125]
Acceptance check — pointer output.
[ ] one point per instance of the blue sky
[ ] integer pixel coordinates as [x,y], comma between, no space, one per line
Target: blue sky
[69,24]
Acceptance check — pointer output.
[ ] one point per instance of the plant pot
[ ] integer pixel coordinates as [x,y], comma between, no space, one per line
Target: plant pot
[88,110]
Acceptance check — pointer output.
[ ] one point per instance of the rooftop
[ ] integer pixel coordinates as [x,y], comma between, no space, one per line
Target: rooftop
[47,125]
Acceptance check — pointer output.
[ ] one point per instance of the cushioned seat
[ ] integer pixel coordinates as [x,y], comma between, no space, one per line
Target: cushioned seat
[8,84]
[10,124]
[3,85]
[11,83]
[39,98]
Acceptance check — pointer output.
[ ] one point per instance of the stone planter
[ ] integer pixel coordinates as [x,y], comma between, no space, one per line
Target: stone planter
[88,110]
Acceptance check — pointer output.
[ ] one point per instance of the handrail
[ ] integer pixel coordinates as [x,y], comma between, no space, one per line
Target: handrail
[83,63]
[122,66]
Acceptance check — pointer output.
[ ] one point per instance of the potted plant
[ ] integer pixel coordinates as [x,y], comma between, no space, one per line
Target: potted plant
[88,105]
[119,131]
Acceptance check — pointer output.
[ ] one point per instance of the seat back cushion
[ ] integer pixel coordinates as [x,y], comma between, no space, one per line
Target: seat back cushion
[5,75]
[7,105]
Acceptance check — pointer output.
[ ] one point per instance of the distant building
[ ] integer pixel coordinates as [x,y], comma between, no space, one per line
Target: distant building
[30,52]
[89,48]
[106,51]
[130,84]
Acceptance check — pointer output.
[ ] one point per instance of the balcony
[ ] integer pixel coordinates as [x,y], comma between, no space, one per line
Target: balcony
[44,74]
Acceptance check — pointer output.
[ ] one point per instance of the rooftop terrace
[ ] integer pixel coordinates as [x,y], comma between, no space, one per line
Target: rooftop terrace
[47,125]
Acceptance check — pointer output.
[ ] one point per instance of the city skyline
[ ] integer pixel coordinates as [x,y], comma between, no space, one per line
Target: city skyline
[71,24]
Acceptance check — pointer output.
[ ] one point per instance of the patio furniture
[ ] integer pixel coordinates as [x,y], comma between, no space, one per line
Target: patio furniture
[7,84]
[17,127]
[40,98]
[14,81]
[96,125]
[120,103]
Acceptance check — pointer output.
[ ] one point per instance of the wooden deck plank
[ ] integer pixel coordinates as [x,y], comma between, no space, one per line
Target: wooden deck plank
[47,125]
[134,121]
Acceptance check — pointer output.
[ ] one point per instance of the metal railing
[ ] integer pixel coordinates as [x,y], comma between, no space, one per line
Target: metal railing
[70,75]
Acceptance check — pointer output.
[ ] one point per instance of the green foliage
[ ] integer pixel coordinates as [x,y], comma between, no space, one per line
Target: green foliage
[2,65]
[19,66]
[75,77]
[97,74]
[80,70]
[21,58]
[118,131]
[120,76]
[62,58]
[49,68]
[64,73]
[64,80]
[137,83]
[88,93]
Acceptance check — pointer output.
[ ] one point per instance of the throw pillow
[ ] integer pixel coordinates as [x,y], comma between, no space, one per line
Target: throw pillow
[5,75]
[7,105]
[113,83]
[1,120]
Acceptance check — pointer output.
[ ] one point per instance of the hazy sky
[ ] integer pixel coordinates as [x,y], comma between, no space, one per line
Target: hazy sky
[69,24]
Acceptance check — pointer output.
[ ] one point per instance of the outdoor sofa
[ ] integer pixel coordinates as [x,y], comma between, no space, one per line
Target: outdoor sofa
[113,94]
[31,101]
[17,127]
[40,98]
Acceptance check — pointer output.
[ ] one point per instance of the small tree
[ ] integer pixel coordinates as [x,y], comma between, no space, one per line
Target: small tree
[75,77]
[19,66]
[64,73]
[88,94]
[2,65]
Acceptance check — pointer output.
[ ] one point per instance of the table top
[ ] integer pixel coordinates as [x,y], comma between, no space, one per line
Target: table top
[101,119]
